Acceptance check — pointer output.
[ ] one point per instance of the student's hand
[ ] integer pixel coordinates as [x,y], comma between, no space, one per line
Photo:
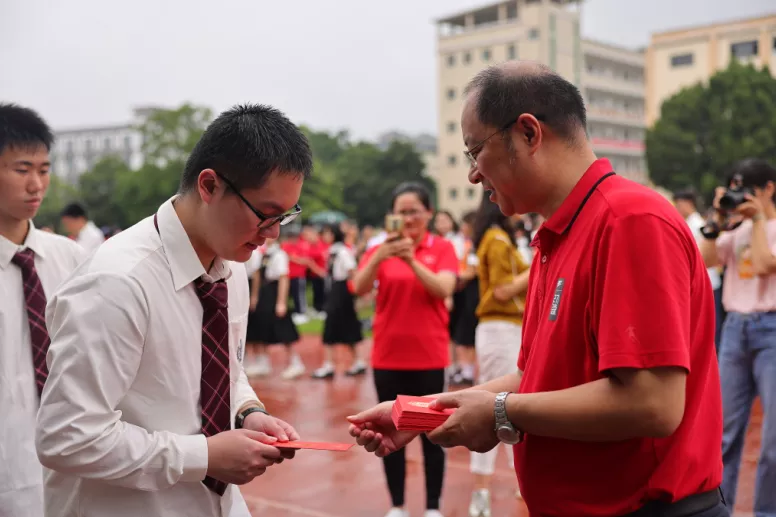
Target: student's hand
[280,309]
[239,455]
[274,427]
[254,302]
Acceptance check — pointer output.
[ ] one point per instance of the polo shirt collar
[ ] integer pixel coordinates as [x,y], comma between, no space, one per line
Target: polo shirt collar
[8,249]
[564,216]
[184,262]
[427,240]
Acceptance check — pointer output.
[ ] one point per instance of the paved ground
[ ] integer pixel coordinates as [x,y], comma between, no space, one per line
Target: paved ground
[352,484]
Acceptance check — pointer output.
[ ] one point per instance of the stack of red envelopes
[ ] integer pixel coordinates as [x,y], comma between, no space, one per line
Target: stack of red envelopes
[413,414]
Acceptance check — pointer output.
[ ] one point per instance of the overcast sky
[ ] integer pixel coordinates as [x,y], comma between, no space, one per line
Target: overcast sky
[363,65]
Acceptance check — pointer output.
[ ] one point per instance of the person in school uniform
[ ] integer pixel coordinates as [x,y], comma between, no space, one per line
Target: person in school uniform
[147,409]
[275,325]
[33,263]
[76,222]
[256,360]
[342,325]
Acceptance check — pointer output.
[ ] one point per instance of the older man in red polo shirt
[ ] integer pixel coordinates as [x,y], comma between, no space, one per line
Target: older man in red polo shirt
[615,409]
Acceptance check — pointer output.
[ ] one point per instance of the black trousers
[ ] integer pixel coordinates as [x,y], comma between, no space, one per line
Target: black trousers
[319,292]
[389,384]
[297,290]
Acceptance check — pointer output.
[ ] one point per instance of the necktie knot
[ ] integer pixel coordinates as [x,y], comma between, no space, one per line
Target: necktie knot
[213,295]
[25,259]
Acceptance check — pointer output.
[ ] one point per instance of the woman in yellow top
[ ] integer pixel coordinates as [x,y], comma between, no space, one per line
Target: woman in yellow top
[503,280]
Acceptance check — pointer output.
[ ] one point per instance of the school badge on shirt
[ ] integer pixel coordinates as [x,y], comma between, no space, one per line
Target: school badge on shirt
[240,350]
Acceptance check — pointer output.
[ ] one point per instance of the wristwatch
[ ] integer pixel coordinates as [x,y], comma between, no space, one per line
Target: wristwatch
[240,418]
[505,431]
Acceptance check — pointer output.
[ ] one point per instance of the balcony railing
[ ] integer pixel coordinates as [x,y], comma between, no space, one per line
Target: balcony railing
[627,145]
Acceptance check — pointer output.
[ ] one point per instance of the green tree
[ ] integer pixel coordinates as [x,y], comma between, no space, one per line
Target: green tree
[170,135]
[59,194]
[99,191]
[705,128]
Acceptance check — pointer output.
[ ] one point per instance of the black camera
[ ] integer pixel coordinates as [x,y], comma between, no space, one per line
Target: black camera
[734,195]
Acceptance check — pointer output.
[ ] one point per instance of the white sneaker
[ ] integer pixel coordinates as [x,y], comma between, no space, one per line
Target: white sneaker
[397,512]
[433,513]
[294,370]
[259,368]
[480,504]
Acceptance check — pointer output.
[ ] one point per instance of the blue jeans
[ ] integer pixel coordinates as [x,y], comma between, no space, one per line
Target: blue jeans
[747,367]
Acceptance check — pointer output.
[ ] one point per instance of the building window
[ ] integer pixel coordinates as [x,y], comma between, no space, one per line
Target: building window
[774,45]
[512,51]
[486,54]
[682,60]
[452,193]
[467,58]
[553,44]
[451,127]
[106,144]
[451,60]
[451,93]
[470,192]
[128,143]
[533,34]
[744,49]
[452,160]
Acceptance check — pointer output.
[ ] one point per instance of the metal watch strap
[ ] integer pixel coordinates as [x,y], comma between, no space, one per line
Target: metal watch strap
[500,410]
[240,418]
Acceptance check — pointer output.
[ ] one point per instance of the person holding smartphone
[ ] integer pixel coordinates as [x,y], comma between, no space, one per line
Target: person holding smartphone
[415,271]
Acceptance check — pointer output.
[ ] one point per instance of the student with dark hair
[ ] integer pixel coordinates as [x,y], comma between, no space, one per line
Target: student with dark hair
[615,407]
[147,407]
[415,271]
[33,263]
[76,222]
[747,354]
[342,325]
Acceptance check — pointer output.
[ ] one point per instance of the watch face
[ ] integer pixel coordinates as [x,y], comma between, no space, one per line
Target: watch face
[507,435]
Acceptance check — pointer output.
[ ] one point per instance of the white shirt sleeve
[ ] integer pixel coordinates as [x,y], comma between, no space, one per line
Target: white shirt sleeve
[280,264]
[97,324]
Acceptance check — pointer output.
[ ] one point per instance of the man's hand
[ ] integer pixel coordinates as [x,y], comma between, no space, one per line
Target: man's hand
[239,455]
[471,425]
[374,430]
[273,427]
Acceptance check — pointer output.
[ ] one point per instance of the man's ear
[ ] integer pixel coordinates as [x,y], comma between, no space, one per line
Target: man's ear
[530,131]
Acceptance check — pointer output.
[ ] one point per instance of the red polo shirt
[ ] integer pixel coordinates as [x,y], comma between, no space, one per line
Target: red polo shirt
[410,325]
[618,282]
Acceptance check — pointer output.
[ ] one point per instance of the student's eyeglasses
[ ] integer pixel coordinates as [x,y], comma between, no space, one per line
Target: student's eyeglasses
[265,221]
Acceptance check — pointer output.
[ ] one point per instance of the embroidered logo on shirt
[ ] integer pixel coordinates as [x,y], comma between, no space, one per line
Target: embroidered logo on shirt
[556,299]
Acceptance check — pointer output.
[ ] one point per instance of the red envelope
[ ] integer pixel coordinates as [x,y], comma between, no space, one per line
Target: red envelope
[413,414]
[317,446]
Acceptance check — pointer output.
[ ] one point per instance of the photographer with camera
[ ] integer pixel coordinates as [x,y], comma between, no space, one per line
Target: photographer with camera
[742,238]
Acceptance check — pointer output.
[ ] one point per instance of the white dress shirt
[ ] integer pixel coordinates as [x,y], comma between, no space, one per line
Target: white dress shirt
[343,261]
[277,262]
[21,477]
[90,237]
[120,419]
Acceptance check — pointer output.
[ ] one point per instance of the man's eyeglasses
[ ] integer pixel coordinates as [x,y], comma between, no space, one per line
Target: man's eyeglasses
[265,221]
[471,154]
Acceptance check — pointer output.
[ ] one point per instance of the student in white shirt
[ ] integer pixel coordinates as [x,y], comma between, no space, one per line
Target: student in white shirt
[32,264]
[147,409]
[76,222]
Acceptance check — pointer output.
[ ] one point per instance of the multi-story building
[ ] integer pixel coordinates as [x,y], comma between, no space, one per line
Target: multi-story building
[613,88]
[680,58]
[76,151]
[547,31]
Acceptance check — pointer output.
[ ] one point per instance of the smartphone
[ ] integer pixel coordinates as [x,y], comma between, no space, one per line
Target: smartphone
[394,223]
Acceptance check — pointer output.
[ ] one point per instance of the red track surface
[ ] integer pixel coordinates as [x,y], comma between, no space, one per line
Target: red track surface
[352,483]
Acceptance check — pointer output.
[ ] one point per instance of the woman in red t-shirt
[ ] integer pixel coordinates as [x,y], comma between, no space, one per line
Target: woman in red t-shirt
[414,271]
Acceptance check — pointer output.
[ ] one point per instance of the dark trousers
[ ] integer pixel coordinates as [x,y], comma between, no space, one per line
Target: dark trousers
[319,292]
[389,384]
[297,289]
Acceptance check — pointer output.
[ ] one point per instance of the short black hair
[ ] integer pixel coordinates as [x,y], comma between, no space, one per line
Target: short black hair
[246,144]
[754,172]
[687,195]
[74,210]
[23,127]
[336,232]
[503,96]
[412,187]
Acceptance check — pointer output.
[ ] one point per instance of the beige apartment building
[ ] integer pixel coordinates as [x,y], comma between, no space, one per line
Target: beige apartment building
[611,80]
[680,58]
